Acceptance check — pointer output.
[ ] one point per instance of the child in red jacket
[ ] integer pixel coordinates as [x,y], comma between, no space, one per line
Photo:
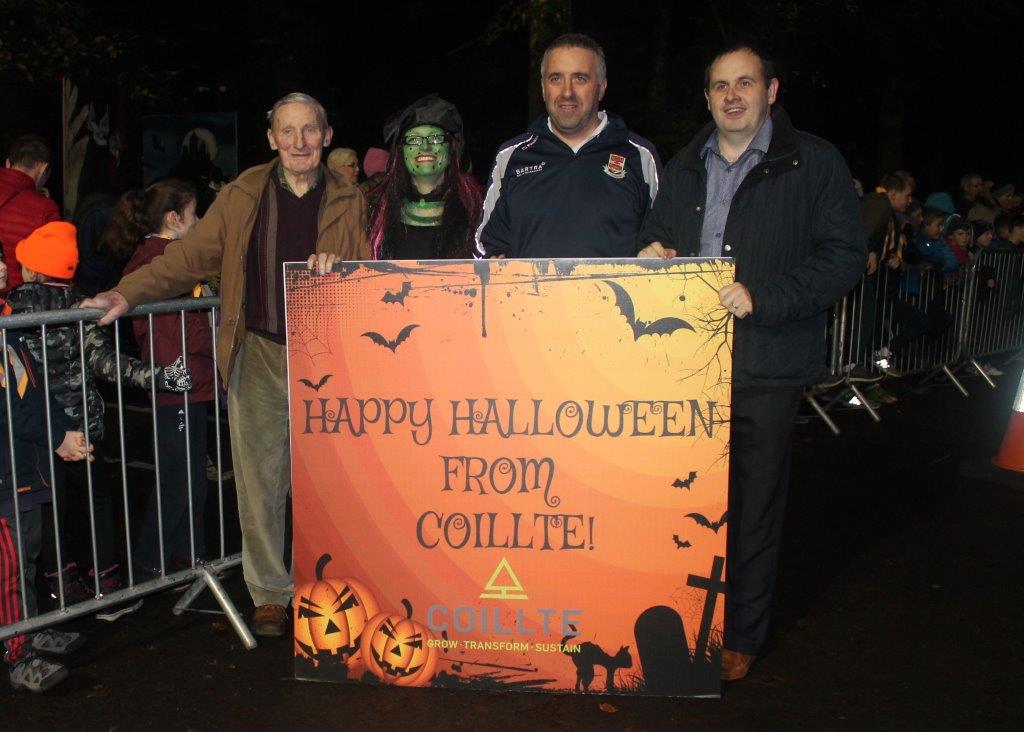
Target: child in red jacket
[143,224]
[958,236]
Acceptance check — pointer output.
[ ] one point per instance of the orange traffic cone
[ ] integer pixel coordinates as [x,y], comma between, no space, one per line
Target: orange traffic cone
[1011,454]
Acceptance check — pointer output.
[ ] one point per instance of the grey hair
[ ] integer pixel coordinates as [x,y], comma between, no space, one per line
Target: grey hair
[321,113]
[336,152]
[576,40]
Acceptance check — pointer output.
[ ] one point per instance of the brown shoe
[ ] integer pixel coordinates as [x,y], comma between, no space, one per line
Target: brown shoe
[735,665]
[269,621]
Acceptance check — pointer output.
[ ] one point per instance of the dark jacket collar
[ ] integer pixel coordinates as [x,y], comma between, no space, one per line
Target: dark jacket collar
[615,130]
[783,145]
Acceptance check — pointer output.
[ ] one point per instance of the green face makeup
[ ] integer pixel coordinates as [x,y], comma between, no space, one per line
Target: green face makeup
[426,158]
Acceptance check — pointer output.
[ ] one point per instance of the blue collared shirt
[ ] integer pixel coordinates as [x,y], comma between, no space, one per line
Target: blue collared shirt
[723,180]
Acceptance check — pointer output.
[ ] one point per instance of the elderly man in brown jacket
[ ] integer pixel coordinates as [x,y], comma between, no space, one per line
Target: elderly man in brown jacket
[290,209]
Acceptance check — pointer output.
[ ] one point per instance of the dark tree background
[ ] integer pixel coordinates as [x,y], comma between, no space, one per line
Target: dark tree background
[927,86]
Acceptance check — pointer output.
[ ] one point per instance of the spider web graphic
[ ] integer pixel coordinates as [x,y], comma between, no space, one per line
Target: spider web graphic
[712,370]
[714,324]
[316,304]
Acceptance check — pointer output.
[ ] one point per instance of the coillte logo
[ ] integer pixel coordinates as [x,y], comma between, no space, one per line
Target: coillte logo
[503,584]
[511,590]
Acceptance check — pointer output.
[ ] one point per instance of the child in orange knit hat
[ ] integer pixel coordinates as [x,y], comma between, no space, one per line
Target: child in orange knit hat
[49,258]
[28,656]
[51,250]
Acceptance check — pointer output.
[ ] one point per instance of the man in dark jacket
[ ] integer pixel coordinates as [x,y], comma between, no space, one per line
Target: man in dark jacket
[23,209]
[782,203]
[578,183]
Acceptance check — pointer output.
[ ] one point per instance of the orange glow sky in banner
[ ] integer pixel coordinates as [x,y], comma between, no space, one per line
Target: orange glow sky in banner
[546,424]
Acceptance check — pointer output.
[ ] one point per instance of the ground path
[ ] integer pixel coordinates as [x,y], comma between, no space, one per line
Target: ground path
[901,596]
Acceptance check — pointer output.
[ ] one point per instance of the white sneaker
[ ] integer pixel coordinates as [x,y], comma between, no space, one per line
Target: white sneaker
[854,401]
[56,642]
[113,613]
[991,370]
[37,675]
[883,360]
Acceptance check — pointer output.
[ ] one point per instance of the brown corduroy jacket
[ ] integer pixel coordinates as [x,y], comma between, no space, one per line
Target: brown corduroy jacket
[219,242]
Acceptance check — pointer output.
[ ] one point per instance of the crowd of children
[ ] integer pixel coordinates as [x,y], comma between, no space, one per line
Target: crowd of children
[909,243]
[63,409]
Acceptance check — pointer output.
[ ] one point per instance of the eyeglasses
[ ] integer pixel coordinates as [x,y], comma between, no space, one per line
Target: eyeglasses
[435,139]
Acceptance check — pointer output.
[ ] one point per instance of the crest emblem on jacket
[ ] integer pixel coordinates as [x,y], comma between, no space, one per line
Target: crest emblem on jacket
[616,166]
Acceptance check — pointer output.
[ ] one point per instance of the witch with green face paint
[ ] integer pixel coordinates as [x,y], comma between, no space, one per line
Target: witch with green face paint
[429,206]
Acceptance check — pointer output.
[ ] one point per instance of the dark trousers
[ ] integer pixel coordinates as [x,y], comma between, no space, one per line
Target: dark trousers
[761,432]
[868,319]
[71,493]
[915,323]
[170,422]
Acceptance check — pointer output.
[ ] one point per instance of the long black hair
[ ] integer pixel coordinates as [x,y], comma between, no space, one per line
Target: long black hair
[459,192]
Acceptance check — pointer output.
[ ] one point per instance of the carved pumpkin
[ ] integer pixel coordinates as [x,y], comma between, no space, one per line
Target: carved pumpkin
[330,615]
[397,650]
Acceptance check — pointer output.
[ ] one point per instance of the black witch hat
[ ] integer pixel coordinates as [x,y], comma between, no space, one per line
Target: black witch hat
[430,110]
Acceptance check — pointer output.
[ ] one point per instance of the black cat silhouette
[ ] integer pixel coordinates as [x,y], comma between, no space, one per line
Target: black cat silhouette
[591,655]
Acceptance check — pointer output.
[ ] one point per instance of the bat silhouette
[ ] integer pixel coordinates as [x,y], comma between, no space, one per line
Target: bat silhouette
[685,483]
[702,520]
[680,544]
[402,336]
[662,326]
[399,296]
[317,385]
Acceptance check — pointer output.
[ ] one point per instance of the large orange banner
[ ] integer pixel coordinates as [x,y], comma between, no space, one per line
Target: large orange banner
[511,474]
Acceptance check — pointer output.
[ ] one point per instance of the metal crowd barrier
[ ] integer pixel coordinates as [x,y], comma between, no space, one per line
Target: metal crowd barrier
[997,296]
[201,573]
[922,322]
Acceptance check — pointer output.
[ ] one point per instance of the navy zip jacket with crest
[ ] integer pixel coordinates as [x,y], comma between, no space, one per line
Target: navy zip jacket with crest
[796,233]
[544,200]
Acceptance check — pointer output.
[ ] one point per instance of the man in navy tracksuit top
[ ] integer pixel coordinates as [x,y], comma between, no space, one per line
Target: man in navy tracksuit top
[578,183]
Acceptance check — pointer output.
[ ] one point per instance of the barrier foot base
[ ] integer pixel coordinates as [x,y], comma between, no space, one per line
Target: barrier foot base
[194,590]
[981,372]
[234,617]
[956,382]
[864,402]
[829,422]
[208,580]
[928,379]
